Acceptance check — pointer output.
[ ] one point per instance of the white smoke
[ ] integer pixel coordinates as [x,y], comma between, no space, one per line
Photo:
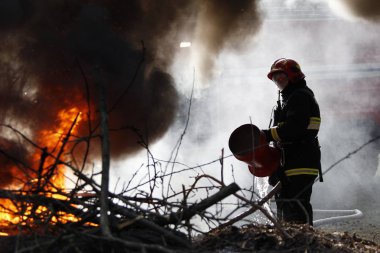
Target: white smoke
[341,62]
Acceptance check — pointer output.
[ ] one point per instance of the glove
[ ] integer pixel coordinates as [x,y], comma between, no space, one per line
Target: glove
[273,179]
[268,135]
[278,176]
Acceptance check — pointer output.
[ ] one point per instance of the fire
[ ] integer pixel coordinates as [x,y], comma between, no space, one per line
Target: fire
[67,120]
[50,175]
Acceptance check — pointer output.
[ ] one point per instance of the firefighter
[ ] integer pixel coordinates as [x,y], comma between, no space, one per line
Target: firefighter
[296,121]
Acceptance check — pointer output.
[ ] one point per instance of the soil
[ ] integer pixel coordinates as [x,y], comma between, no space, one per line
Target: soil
[355,235]
[367,227]
[264,238]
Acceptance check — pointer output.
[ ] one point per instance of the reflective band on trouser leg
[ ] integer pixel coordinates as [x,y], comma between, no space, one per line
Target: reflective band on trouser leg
[314,123]
[302,171]
[273,132]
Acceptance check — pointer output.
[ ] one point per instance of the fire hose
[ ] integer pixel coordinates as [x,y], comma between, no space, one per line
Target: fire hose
[343,215]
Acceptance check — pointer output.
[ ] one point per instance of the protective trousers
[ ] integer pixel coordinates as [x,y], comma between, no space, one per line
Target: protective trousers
[293,200]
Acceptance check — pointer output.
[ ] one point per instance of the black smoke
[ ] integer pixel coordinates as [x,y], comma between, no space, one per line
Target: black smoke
[367,9]
[54,53]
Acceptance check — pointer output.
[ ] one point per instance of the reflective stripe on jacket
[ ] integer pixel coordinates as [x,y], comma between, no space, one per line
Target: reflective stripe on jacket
[302,171]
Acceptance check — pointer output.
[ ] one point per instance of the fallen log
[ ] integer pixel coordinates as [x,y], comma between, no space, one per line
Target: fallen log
[189,212]
[139,220]
[174,218]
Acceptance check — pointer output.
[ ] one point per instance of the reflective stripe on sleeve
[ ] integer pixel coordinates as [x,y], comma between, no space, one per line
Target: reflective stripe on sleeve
[314,123]
[302,171]
[273,132]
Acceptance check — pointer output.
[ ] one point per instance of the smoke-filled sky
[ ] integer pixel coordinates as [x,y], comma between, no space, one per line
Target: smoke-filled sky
[337,51]
[46,45]
[54,55]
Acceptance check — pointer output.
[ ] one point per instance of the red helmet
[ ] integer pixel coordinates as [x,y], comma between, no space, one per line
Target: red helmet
[290,67]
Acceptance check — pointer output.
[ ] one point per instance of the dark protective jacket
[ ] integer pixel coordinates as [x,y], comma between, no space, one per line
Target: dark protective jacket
[295,128]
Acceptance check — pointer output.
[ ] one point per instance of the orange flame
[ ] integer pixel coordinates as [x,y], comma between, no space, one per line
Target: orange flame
[53,137]
[56,142]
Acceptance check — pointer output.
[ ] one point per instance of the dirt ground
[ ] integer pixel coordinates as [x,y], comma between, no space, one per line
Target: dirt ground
[367,227]
[298,238]
[354,235]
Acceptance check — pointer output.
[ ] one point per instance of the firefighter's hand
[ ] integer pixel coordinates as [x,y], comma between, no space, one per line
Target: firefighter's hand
[268,135]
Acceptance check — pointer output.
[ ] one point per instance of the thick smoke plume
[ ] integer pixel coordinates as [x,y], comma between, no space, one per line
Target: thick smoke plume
[53,53]
[367,9]
[222,24]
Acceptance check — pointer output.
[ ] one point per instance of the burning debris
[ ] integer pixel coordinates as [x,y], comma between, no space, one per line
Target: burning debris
[42,206]
[44,216]
[40,178]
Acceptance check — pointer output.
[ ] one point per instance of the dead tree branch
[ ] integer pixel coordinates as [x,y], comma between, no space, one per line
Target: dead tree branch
[105,154]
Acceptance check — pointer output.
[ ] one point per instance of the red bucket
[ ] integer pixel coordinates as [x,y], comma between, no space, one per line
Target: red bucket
[248,144]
